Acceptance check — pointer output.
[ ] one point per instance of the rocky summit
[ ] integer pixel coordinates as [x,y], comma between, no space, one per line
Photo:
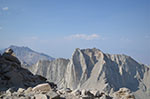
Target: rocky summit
[91,69]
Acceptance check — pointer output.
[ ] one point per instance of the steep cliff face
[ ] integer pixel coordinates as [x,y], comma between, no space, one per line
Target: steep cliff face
[117,72]
[54,70]
[93,69]
[80,66]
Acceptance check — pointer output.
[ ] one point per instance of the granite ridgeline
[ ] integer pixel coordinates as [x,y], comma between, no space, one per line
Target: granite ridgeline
[89,74]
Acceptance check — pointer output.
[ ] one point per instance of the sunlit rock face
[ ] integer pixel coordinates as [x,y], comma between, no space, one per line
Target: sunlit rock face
[54,70]
[94,70]
[80,67]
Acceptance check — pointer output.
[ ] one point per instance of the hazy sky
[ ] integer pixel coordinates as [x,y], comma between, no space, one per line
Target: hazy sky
[57,27]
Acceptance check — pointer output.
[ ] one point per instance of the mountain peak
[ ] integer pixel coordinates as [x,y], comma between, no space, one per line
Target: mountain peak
[20,47]
[88,50]
[94,70]
[27,55]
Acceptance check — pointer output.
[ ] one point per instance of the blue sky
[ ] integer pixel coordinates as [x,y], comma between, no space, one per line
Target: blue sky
[57,27]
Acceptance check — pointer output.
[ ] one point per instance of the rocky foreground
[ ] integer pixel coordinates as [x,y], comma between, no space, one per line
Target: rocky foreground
[45,91]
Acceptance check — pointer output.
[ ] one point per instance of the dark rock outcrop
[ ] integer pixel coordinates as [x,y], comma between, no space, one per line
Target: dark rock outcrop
[12,75]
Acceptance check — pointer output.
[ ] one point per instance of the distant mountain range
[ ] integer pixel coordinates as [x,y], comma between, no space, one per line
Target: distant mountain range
[28,56]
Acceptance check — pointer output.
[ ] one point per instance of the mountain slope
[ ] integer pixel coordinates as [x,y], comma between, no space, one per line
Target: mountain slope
[53,70]
[93,69]
[28,56]
[13,75]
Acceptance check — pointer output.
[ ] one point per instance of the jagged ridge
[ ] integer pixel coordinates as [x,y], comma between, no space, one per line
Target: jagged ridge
[93,69]
[27,56]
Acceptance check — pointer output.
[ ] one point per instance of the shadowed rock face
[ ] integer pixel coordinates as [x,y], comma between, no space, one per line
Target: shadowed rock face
[93,69]
[13,75]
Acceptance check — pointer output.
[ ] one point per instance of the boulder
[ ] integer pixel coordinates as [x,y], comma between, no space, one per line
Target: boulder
[76,92]
[20,95]
[21,90]
[61,91]
[28,90]
[89,94]
[104,97]
[42,87]
[53,95]
[9,51]
[86,97]
[124,93]
[68,90]
[86,94]
[83,92]
[10,91]
[96,93]
[40,96]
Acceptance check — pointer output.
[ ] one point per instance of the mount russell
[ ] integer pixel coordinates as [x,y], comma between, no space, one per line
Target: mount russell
[94,70]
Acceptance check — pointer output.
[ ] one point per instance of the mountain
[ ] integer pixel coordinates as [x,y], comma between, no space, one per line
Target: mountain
[28,56]
[92,69]
[53,70]
[19,83]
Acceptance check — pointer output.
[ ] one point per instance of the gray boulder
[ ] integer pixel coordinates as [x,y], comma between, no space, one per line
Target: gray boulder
[40,96]
[53,95]
[42,87]
[124,93]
